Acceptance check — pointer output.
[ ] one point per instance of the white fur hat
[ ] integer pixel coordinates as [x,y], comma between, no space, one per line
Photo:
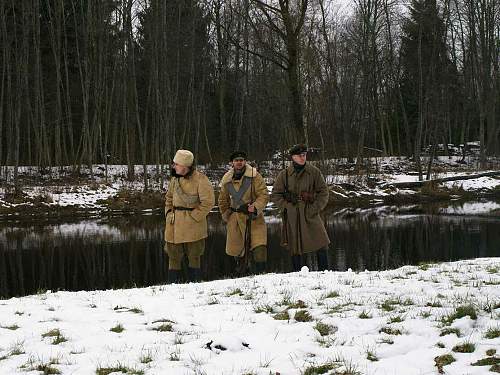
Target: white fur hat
[184,158]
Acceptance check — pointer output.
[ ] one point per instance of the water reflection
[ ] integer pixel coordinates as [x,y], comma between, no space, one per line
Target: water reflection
[126,252]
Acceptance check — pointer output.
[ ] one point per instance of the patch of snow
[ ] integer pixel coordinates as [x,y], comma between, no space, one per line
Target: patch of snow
[477,184]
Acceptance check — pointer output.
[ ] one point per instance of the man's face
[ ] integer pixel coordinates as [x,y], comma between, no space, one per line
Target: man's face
[300,159]
[239,163]
[181,170]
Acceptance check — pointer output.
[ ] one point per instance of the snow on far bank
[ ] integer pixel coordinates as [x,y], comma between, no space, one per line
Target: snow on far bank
[476,184]
[85,192]
[404,177]
[373,322]
[80,196]
[84,196]
[472,185]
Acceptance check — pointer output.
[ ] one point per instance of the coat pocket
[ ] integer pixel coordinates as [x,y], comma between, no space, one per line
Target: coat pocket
[311,211]
[169,219]
[227,215]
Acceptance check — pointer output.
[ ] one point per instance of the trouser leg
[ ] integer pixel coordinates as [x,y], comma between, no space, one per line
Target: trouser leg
[194,252]
[175,253]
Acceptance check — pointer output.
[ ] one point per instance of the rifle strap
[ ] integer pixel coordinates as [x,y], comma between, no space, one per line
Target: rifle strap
[237,196]
[190,200]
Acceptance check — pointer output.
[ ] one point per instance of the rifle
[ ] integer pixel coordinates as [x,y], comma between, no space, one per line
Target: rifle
[244,266]
[284,228]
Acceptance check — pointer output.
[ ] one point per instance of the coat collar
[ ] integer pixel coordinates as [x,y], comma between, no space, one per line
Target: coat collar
[192,170]
[249,172]
[291,170]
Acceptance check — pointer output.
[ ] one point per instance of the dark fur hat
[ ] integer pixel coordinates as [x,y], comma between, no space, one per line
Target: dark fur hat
[298,149]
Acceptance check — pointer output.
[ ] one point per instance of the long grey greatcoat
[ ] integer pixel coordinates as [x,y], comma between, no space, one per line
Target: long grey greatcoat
[305,229]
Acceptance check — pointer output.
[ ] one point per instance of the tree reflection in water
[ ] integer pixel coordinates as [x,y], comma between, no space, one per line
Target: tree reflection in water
[128,252]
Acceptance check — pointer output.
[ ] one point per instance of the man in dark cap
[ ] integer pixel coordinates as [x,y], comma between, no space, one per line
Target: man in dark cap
[301,193]
[242,199]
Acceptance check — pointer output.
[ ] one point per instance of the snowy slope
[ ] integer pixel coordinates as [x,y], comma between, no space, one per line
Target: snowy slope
[388,322]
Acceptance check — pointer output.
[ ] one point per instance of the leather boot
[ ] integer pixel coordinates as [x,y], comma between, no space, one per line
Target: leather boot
[296,263]
[174,276]
[241,267]
[194,275]
[260,267]
[322,256]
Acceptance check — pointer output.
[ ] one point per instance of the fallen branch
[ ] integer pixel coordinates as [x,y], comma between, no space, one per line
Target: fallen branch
[416,184]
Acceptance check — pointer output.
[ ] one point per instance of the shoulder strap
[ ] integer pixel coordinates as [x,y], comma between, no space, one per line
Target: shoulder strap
[236,196]
[189,199]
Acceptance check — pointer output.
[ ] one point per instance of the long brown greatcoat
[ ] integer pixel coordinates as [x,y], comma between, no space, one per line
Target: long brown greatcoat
[305,229]
[196,192]
[236,221]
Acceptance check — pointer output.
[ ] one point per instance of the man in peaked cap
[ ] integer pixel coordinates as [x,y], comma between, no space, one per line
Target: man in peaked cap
[242,199]
[301,193]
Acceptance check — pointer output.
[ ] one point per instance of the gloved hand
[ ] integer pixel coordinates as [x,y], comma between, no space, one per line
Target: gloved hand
[307,197]
[290,197]
[244,210]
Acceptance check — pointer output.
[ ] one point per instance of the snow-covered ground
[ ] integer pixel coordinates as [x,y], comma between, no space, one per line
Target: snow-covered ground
[402,321]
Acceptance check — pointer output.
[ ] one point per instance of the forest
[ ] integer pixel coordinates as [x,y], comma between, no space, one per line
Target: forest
[86,82]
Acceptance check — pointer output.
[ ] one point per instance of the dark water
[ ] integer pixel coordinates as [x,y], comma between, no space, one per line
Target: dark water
[127,252]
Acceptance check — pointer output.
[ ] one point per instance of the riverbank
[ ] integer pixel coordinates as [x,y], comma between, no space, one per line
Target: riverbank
[60,194]
[431,318]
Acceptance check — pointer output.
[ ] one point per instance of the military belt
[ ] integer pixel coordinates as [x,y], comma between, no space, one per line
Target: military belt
[183,208]
[238,210]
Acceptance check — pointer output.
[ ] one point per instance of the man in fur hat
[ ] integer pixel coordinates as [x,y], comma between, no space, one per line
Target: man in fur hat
[189,199]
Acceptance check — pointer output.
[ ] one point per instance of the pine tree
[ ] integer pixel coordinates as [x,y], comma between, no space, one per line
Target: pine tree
[427,73]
